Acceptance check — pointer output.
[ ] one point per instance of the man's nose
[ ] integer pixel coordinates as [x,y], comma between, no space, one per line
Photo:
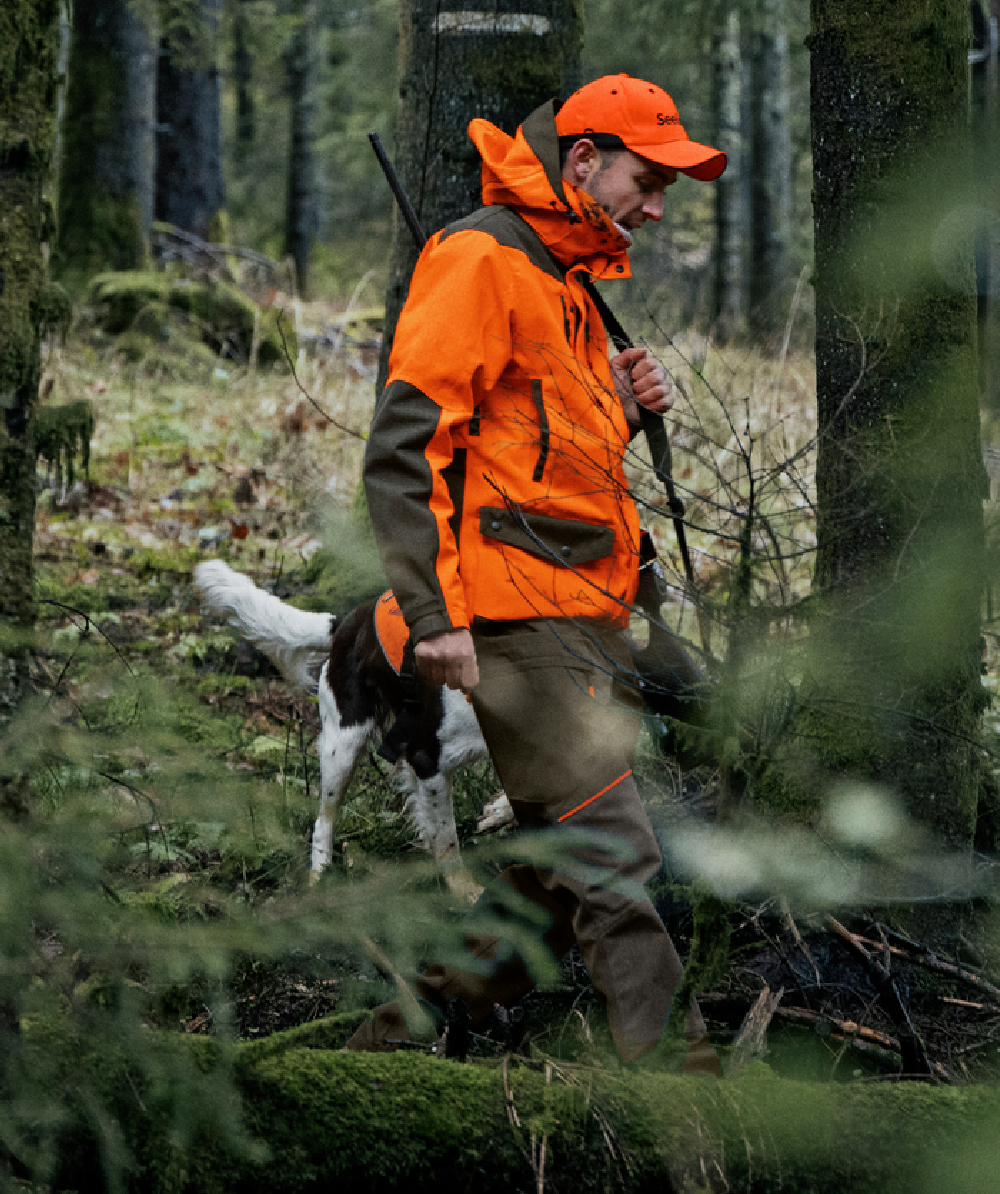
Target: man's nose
[653,207]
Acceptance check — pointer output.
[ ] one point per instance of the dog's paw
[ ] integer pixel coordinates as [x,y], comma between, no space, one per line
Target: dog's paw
[496,814]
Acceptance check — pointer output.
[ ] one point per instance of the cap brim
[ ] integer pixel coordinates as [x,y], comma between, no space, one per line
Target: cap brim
[699,161]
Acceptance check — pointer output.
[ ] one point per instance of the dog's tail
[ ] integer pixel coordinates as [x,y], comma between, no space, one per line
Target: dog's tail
[295,641]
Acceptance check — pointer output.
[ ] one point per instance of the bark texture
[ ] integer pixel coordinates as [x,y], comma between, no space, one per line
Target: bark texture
[189,185]
[29,55]
[301,223]
[729,276]
[243,80]
[899,474]
[770,173]
[499,64]
[986,133]
[108,149]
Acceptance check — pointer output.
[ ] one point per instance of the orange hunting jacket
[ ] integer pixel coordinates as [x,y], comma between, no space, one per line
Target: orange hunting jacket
[493,469]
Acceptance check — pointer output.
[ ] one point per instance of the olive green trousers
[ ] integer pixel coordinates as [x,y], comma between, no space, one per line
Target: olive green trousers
[559,709]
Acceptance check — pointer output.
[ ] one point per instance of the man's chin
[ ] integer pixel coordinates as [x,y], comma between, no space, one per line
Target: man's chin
[626,232]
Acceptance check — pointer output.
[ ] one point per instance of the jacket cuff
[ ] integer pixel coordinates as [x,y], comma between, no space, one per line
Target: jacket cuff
[429,625]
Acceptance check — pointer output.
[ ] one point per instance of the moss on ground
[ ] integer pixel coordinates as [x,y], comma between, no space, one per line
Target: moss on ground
[221,310]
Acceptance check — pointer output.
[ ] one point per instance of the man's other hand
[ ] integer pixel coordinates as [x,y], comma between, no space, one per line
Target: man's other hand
[448,659]
[640,377]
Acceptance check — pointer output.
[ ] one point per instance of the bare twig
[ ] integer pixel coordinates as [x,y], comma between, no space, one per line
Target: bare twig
[304,392]
[71,609]
[797,937]
[930,961]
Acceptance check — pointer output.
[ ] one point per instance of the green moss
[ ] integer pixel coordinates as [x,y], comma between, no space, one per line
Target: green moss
[709,955]
[317,1118]
[223,310]
[63,432]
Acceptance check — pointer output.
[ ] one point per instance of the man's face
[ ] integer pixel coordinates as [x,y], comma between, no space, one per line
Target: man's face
[628,187]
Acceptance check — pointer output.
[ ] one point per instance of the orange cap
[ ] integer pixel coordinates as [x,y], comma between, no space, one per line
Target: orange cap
[644,118]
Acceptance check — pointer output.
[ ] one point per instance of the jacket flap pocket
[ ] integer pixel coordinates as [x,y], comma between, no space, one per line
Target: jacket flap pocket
[557,540]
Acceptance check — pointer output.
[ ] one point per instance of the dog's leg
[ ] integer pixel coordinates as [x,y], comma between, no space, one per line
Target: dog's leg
[432,810]
[447,736]
[340,747]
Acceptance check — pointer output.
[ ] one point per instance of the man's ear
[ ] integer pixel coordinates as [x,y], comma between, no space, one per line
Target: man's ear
[582,162]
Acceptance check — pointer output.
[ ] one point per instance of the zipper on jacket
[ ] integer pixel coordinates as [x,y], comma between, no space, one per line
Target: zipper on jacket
[543,430]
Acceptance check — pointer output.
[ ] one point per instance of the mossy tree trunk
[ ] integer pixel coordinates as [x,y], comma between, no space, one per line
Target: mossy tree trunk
[499,65]
[770,172]
[29,55]
[986,133]
[301,199]
[899,473]
[108,149]
[189,185]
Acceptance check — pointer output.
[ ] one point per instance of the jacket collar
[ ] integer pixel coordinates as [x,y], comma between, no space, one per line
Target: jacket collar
[522,172]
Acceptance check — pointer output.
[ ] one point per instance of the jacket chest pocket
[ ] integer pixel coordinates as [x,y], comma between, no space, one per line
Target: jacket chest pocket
[543,430]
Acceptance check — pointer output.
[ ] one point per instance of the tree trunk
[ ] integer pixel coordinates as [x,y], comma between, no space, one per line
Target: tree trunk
[455,66]
[986,133]
[729,280]
[29,56]
[899,474]
[243,79]
[189,186]
[106,172]
[300,205]
[771,173]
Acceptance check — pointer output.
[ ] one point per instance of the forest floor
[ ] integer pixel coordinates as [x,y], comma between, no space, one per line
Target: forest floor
[206,758]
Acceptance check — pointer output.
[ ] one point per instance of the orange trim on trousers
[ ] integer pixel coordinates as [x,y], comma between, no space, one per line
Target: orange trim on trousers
[591,799]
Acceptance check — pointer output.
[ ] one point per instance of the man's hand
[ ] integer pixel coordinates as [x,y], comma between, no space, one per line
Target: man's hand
[448,659]
[641,379]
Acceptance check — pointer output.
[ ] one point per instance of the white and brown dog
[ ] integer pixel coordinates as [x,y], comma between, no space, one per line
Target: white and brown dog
[366,698]
[361,695]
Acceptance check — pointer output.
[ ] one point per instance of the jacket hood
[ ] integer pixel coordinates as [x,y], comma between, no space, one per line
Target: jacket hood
[522,172]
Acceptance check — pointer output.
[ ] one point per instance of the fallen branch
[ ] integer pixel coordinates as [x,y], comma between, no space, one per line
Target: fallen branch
[751,1041]
[979,1007]
[856,1034]
[911,1047]
[931,961]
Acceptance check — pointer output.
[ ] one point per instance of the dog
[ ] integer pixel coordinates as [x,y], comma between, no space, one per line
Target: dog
[363,700]
[369,694]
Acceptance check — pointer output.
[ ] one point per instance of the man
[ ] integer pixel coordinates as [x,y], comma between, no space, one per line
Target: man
[495,481]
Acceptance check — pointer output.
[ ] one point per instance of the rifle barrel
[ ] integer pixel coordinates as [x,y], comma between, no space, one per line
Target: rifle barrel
[405,206]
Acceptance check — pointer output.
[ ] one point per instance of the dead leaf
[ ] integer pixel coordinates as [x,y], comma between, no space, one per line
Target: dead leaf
[86,576]
[240,529]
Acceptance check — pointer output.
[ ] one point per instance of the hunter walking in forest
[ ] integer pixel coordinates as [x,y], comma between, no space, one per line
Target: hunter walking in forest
[495,481]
